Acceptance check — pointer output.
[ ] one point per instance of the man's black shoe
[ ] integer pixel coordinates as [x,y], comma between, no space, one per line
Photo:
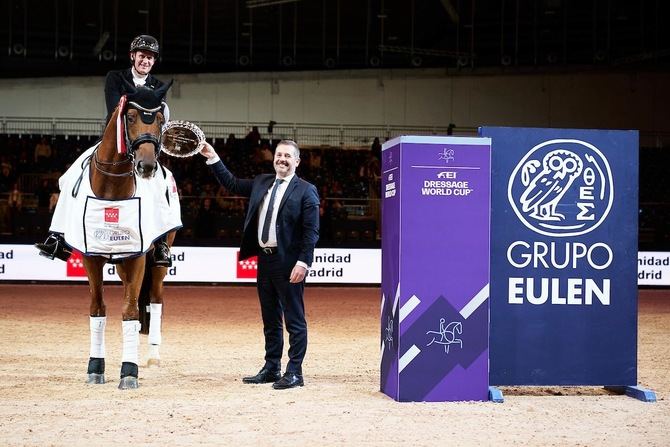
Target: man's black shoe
[263,376]
[162,257]
[288,380]
[54,247]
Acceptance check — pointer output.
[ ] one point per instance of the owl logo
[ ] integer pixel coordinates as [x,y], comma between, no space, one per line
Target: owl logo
[544,189]
[562,188]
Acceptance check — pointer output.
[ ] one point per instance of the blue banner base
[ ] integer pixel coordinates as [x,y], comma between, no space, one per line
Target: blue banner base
[637,392]
[495,395]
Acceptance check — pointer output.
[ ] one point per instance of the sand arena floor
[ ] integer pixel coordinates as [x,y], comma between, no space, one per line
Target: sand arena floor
[212,337]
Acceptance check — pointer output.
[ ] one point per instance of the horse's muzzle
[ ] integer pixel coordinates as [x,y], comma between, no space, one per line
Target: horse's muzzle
[145,169]
[145,150]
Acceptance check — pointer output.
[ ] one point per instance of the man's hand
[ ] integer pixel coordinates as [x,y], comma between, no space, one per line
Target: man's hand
[297,274]
[208,152]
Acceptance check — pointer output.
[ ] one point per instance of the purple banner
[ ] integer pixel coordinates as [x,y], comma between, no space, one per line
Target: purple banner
[435,268]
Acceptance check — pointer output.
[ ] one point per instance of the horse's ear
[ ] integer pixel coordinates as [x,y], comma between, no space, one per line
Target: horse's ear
[130,87]
[162,90]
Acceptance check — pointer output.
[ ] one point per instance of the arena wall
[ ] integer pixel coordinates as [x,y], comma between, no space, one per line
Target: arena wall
[376,97]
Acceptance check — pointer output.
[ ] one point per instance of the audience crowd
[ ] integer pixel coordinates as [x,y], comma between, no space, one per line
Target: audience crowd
[348,181]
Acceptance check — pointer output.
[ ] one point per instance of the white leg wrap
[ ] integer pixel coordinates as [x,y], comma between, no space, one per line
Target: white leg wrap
[155,324]
[97,325]
[154,352]
[131,341]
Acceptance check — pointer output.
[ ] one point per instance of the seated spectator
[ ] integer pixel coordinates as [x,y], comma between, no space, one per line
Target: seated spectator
[43,154]
[337,210]
[231,142]
[252,139]
[7,179]
[43,193]
[336,189]
[23,163]
[315,160]
[376,148]
[186,189]
[206,222]
[14,202]
[370,174]
[266,157]
[53,200]
[207,190]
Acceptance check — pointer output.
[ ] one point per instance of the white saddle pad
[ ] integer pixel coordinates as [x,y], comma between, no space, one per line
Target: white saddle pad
[112,227]
[115,228]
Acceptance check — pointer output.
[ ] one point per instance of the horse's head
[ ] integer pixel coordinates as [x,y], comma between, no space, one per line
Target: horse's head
[144,119]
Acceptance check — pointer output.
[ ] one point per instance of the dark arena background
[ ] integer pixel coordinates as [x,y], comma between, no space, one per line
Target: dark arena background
[340,77]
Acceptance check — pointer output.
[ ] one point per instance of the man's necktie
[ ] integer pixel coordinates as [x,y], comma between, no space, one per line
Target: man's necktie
[265,234]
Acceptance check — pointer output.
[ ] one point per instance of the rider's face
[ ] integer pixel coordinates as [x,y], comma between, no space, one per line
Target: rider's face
[143,61]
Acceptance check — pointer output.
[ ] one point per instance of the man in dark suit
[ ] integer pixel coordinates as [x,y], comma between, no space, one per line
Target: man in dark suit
[282,228]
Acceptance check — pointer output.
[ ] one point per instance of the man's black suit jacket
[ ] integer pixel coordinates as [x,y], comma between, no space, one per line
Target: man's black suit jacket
[297,217]
[115,87]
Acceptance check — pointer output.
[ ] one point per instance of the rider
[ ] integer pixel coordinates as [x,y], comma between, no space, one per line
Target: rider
[144,50]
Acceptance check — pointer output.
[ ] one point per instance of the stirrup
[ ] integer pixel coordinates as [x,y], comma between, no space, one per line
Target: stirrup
[162,256]
[54,247]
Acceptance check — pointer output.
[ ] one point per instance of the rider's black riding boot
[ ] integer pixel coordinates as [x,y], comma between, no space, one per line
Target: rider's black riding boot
[162,257]
[54,247]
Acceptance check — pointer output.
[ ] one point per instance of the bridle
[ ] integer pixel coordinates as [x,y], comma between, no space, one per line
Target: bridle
[147,116]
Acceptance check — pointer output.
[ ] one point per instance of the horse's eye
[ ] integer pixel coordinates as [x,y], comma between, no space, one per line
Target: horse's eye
[131,118]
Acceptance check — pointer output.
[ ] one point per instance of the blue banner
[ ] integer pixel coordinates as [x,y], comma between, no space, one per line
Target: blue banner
[563,256]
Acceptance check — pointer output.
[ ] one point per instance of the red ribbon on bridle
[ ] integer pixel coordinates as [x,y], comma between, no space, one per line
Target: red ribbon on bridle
[120,127]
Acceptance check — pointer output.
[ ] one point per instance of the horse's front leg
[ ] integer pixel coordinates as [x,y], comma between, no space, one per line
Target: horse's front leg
[130,272]
[156,315]
[97,320]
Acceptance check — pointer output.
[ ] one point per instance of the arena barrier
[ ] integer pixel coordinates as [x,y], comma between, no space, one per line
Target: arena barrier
[20,262]
[435,268]
[563,253]
[196,265]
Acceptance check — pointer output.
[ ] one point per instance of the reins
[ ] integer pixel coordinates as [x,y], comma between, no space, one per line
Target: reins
[113,163]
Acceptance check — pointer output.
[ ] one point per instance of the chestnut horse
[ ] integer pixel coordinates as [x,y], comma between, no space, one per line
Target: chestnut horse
[113,169]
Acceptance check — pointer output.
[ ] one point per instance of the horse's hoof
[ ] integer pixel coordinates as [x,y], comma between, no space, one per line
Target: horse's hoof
[129,383]
[154,362]
[96,379]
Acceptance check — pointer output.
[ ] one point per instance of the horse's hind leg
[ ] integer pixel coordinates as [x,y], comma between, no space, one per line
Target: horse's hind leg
[97,320]
[155,290]
[131,273]
[156,315]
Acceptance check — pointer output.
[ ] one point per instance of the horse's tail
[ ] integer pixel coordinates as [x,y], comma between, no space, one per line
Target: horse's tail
[144,299]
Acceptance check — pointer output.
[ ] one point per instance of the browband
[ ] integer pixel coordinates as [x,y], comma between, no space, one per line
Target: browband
[139,107]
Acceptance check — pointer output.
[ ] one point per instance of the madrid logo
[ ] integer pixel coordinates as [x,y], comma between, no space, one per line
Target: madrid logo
[562,188]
